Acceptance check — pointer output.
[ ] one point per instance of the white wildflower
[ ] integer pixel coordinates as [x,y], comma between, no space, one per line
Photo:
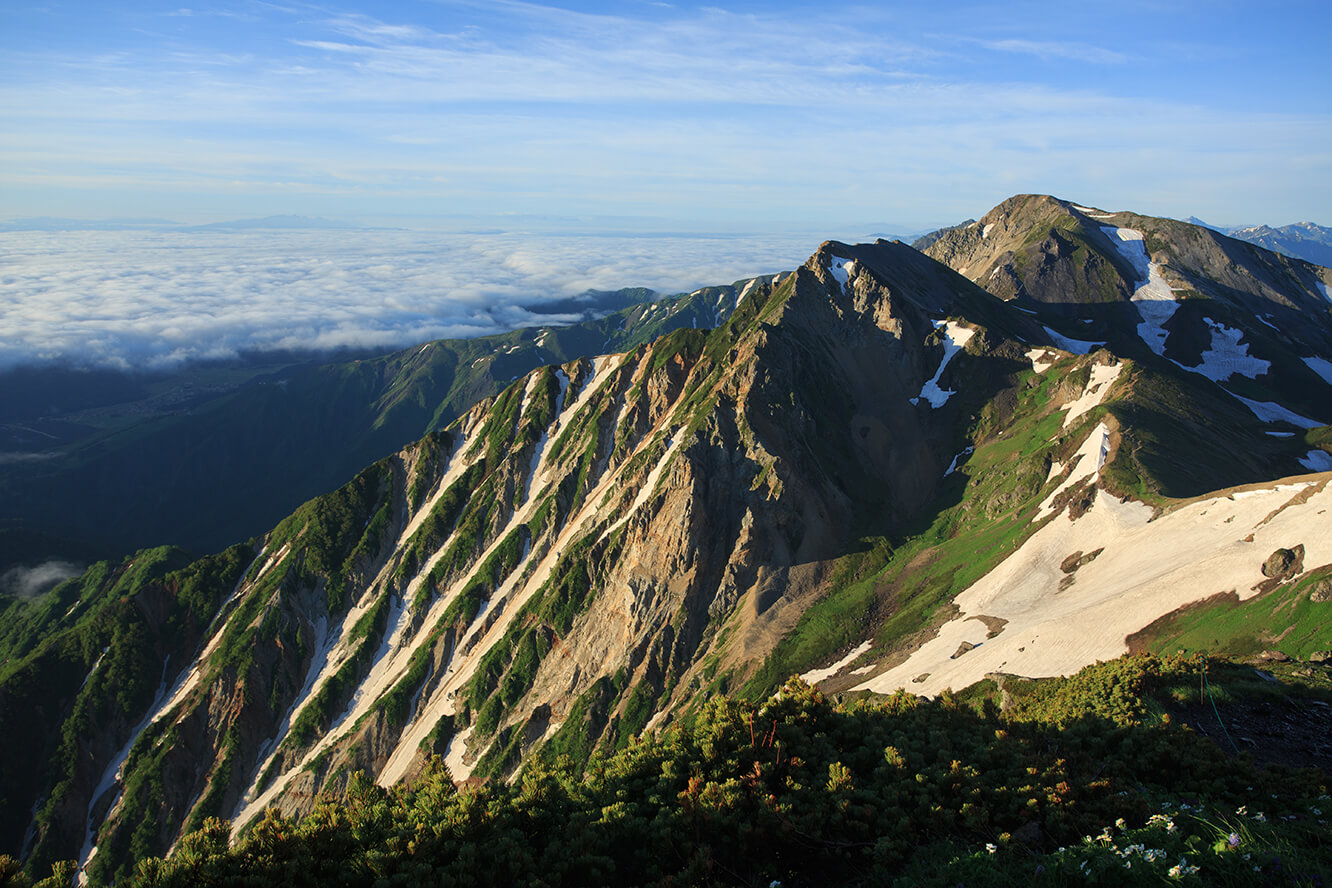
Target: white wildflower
[1182,869]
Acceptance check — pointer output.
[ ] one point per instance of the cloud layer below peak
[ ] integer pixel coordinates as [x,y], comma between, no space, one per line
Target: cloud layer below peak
[156,299]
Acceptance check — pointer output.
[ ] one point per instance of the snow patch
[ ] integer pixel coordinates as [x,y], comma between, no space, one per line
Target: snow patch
[1156,304]
[1098,386]
[454,752]
[1041,359]
[745,292]
[1153,297]
[657,718]
[1146,568]
[539,452]
[1269,411]
[1226,356]
[1320,366]
[1087,462]
[456,464]
[96,663]
[649,485]
[1281,434]
[814,676]
[1322,288]
[528,391]
[841,269]
[956,338]
[114,774]
[952,466]
[1317,461]
[1264,491]
[985,232]
[1073,346]
[1083,209]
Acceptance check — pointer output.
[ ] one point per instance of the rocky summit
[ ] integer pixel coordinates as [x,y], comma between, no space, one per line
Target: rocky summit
[1050,436]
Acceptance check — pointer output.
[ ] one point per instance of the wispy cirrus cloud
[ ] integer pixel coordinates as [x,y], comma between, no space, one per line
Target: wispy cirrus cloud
[1073,51]
[694,112]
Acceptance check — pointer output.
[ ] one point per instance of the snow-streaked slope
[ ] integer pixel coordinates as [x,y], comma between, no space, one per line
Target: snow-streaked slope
[1145,568]
[523,583]
[402,638]
[1226,354]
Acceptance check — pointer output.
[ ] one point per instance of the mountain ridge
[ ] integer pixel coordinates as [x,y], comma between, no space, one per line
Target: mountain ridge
[1304,240]
[264,442]
[593,551]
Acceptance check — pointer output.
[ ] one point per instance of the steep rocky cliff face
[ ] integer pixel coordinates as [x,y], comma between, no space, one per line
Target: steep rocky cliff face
[867,460]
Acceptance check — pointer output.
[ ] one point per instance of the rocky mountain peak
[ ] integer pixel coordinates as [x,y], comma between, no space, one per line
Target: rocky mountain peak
[875,456]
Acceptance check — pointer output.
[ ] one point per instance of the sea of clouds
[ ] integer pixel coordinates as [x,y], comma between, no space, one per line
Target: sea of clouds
[157,299]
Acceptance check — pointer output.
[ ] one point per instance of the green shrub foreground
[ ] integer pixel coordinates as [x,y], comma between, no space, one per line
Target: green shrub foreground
[798,791]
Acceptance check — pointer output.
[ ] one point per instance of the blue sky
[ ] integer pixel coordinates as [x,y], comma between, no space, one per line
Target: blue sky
[745,117]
